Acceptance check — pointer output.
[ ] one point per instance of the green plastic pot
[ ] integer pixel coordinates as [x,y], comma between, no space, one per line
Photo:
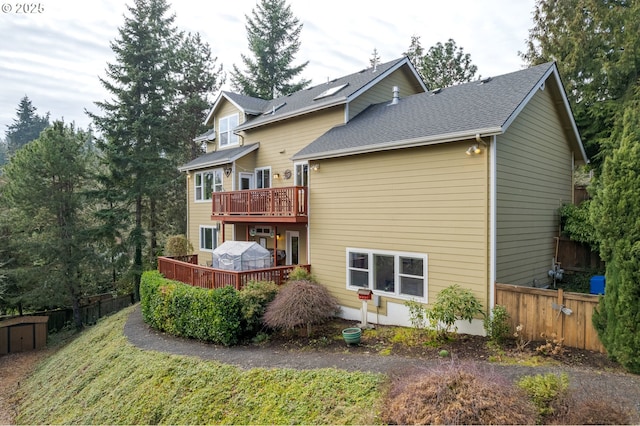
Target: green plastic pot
[352,335]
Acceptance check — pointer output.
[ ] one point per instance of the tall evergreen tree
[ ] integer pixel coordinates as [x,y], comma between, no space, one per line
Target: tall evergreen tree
[45,189]
[197,78]
[415,51]
[135,123]
[273,34]
[445,65]
[26,127]
[616,214]
[596,46]
[375,58]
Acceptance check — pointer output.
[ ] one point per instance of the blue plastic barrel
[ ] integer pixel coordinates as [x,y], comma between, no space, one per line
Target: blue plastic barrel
[596,285]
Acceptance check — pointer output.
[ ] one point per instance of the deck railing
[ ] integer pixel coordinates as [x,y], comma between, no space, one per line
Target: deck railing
[286,202]
[206,277]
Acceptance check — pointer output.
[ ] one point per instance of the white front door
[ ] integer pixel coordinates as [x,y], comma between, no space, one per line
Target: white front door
[293,247]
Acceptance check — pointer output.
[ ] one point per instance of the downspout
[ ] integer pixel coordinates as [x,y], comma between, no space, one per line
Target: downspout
[492,221]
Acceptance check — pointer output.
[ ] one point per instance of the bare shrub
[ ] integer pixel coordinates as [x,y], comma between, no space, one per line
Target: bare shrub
[590,411]
[298,303]
[457,394]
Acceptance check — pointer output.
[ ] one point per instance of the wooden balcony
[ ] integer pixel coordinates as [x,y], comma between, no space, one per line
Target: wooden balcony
[285,205]
[189,272]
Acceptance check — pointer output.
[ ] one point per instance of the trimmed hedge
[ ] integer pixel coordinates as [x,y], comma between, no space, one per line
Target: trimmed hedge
[182,310]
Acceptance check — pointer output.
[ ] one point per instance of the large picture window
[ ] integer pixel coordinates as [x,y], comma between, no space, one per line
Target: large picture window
[399,274]
[207,183]
[226,127]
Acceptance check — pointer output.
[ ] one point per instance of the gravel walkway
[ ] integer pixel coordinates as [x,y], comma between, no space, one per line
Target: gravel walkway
[621,388]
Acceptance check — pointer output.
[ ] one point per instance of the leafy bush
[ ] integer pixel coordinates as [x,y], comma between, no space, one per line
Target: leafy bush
[301,302]
[497,325]
[178,245]
[457,394]
[211,315]
[545,391]
[452,304]
[417,314]
[254,299]
[299,273]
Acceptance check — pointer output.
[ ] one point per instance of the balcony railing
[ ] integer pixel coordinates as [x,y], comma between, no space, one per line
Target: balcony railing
[287,204]
[191,273]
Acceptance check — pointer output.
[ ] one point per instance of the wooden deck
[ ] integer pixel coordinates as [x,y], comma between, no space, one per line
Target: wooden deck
[189,272]
[286,204]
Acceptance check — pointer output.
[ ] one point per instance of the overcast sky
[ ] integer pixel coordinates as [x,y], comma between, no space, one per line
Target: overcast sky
[55,56]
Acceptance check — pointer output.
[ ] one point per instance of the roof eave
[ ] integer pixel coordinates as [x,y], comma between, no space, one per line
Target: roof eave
[239,155]
[292,114]
[405,143]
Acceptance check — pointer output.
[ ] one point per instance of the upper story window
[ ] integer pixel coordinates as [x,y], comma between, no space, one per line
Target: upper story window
[206,183]
[397,274]
[226,126]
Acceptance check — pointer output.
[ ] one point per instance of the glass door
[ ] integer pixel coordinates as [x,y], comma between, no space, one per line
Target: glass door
[293,247]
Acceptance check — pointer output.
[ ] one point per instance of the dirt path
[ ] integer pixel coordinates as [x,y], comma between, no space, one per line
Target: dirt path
[13,369]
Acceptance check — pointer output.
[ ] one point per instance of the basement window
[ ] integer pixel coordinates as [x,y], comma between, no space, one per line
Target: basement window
[396,274]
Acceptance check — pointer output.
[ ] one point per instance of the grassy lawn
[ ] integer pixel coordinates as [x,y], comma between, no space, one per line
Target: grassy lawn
[99,378]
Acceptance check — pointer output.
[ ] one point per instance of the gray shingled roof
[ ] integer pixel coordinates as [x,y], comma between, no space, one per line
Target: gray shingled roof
[250,105]
[455,111]
[218,158]
[304,100]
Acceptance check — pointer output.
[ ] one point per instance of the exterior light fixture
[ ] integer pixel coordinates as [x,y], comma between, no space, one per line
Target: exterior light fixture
[315,167]
[473,149]
[276,175]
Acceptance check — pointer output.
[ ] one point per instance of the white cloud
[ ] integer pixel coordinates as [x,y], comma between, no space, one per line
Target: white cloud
[56,57]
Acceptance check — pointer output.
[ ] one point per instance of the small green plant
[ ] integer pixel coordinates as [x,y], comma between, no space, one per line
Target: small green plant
[417,314]
[299,273]
[452,304]
[545,390]
[443,353]
[497,325]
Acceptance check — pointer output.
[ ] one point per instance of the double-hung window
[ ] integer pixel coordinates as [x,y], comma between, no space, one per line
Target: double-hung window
[208,238]
[226,126]
[206,183]
[398,274]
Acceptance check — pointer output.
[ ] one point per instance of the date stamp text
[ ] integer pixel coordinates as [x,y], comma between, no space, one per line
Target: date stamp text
[22,8]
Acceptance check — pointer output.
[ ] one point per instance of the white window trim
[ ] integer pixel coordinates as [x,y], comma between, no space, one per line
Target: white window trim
[214,238]
[295,169]
[397,255]
[195,187]
[229,132]
[255,174]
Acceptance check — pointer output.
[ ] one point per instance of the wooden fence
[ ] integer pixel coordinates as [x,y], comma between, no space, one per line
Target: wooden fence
[540,312]
[92,309]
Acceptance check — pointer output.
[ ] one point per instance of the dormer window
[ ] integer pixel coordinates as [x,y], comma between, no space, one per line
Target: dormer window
[226,128]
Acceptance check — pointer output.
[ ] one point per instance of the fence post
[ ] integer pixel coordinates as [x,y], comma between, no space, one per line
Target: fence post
[560,315]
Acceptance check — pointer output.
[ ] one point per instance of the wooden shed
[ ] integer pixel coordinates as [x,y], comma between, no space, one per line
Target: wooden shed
[22,334]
